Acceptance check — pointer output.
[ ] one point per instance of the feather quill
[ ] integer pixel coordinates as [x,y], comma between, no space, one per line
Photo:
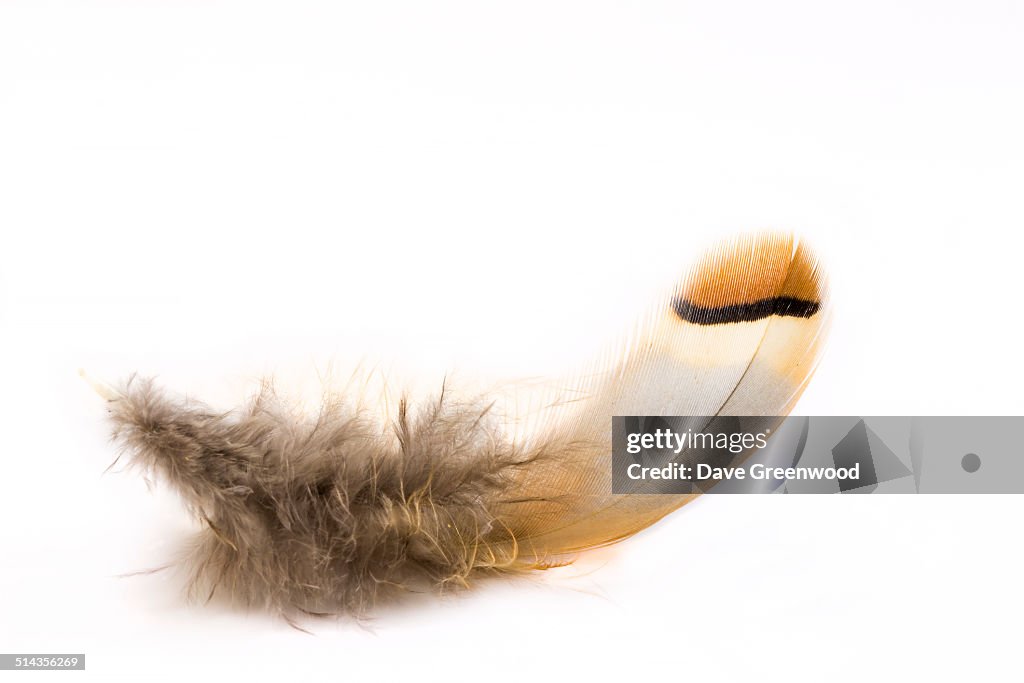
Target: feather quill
[336,512]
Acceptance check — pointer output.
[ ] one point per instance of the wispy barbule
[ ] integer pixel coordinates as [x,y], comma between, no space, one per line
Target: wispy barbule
[333,513]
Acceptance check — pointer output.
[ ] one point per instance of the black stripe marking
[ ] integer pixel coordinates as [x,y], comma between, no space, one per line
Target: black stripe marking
[741,313]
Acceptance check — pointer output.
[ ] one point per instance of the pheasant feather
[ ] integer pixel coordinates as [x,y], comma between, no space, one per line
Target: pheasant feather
[336,512]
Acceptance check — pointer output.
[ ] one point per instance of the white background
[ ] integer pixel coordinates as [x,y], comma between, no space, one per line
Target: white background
[212,191]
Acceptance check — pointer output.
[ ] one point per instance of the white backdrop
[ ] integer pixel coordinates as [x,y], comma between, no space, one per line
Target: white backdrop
[213,191]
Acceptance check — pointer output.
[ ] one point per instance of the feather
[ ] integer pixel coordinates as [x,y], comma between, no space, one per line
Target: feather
[336,512]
